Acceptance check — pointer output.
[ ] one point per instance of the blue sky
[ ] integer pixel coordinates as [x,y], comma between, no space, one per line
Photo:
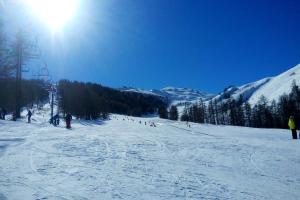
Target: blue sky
[201,44]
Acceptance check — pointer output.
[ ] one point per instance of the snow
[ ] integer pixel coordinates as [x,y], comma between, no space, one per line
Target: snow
[278,85]
[246,90]
[272,88]
[123,159]
[175,95]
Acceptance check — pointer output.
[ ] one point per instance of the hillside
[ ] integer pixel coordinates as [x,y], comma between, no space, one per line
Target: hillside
[278,85]
[271,88]
[124,159]
[175,96]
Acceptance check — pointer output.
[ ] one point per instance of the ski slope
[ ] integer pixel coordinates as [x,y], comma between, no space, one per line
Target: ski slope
[123,159]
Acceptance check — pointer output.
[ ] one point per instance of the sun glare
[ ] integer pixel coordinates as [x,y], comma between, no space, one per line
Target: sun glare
[55,13]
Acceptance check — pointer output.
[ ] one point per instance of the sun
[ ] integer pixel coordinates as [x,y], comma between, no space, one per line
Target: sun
[55,13]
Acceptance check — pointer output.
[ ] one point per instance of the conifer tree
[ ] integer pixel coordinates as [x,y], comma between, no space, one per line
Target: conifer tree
[173,114]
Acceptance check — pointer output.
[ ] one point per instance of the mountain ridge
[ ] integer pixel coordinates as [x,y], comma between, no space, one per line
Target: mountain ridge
[271,87]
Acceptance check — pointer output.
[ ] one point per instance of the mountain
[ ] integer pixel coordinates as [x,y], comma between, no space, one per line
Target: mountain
[246,90]
[272,88]
[277,85]
[176,96]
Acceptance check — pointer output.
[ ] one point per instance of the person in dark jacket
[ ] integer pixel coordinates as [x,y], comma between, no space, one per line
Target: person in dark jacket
[2,113]
[68,120]
[56,120]
[29,114]
[14,116]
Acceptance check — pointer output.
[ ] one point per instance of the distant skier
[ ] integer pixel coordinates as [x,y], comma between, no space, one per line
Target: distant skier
[292,126]
[68,120]
[14,116]
[2,113]
[29,114]
[55,120]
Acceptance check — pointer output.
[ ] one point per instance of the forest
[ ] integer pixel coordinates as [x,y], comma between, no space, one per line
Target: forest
[91,101]
[32,92]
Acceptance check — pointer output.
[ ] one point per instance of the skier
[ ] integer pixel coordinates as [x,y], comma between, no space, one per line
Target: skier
[14,116]
[29,114]
[68,120]
[4,112]
[56,120]
[1,113]
[292,126]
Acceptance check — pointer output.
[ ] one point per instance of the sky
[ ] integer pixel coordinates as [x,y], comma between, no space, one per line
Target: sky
[200,44]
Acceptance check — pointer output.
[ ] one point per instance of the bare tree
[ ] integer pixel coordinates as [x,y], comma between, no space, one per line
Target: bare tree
[22,50]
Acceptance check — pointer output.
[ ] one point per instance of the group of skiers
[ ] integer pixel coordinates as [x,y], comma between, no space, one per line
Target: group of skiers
[54,120]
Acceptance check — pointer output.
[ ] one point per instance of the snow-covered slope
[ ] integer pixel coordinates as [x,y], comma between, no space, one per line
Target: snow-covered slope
[137,90]
[174,95]
[185,94]
[246,90]
[277,86]
[125,159]
[271,88]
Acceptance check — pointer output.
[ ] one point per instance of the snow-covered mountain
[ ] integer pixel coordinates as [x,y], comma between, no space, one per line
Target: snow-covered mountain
[277,85]
[271,88]
[176,96]
[246,90]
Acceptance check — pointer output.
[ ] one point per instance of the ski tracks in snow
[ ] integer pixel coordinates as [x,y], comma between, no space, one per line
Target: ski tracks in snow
[124,159]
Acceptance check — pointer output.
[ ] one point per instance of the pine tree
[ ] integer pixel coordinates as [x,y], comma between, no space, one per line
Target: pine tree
[211,113]
[163,113]
[247,114]
[173,115]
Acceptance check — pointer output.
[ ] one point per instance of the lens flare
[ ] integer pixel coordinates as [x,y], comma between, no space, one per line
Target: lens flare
[55,13]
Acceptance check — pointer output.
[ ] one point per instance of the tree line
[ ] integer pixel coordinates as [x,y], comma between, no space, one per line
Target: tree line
[236,112]
[91,101]
[171,114]
[15,92]
[32,92]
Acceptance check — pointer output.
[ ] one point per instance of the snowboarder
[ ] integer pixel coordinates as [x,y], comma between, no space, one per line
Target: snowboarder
[68,120]
[29,114]
[292,126]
